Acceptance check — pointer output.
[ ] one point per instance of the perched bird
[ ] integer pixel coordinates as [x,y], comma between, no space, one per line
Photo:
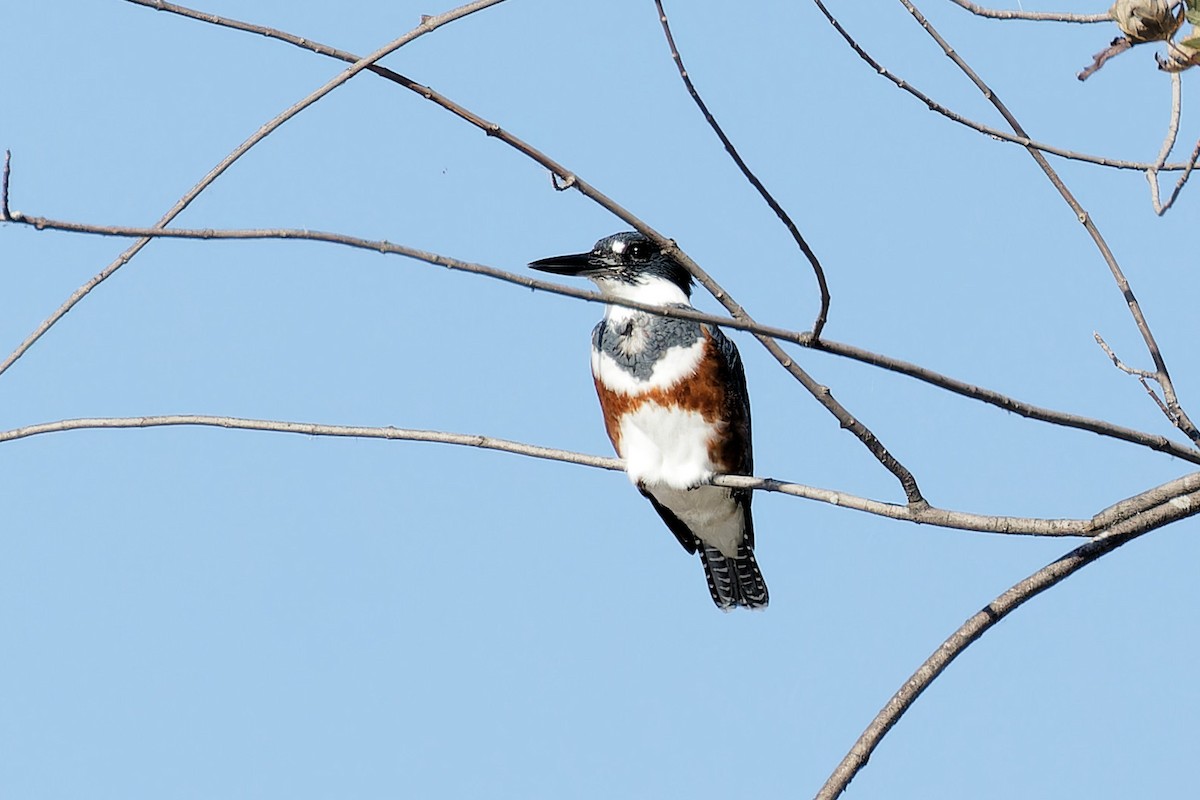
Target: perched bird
[673,394]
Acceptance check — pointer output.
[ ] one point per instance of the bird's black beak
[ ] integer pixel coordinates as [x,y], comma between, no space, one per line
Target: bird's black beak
[576,264]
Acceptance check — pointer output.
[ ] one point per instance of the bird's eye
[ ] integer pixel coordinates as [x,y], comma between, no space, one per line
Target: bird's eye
[640,251]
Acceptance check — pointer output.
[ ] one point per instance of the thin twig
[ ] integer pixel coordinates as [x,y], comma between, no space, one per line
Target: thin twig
[768,198]
[995,133]
[1154,396]
[1153,441]
[1168,144]
[1036,16]
[944,518]
[428,24]
[1115,48]
[1142,375]
[1170,508]
[4,215]
[1182,421]
[311,429]
[819,392]
[1117,362]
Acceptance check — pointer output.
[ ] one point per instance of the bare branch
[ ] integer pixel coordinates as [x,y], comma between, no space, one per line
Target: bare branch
[1167,146]
[1037,16]
[1153,441]
[390,248]
[928,515]
[818,270]
[1115,48]
[1152,510]
[312,429]
[821,393]
[427,24]
[1162,375]
[995,133]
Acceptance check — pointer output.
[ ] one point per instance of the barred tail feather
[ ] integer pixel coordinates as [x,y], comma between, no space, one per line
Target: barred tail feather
[734,582]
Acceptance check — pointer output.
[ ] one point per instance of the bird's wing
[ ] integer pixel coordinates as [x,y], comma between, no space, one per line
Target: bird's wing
[682,532]
[739,454]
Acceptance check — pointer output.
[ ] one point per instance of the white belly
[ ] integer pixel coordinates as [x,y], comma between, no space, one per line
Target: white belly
[666,447]
[666,452]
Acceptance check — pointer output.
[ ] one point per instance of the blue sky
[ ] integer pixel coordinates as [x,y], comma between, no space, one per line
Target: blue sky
[209,613]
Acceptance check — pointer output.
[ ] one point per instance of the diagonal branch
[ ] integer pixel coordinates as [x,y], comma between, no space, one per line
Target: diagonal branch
[1153,441]
[428,23]
[1162,375]
[971,391]
[818,270]
[1156,509]
[569,179]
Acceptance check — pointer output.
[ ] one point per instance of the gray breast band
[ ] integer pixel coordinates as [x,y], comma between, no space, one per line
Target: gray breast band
[636,344]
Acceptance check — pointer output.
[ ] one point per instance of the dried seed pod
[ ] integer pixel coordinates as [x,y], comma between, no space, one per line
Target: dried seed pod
[1146,20]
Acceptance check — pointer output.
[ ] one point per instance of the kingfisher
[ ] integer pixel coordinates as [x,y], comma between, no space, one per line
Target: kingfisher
[673,395]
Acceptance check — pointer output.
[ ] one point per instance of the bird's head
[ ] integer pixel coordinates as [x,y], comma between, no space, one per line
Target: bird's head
[626,265]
